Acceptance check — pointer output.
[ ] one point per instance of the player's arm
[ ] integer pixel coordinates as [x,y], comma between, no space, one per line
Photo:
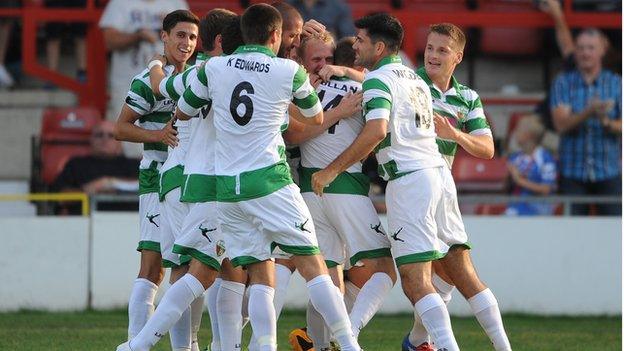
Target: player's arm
[308,107]
[195,96]
[118,40]
[126,130]
[377,107]
[481,146]
[340,71]
[298,133]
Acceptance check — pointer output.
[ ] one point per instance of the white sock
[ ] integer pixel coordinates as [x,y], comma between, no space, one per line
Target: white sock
[262,316]
[317,329]
[282,279]
[229,305]
[328,301]
[177,299]
[211,304]
[140,305]
[369,300]
[351,293]
[443,288]
[485,308]
[197,311]
[419,334]
[435,318]
[180,332]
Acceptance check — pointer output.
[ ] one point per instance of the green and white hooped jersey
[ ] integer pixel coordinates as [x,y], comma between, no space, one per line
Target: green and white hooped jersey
[250,92]
[319,152]
[462,106]
[199,183]
[155,112]
[396,93]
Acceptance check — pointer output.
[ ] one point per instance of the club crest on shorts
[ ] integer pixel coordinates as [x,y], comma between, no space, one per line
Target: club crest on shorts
[220,248]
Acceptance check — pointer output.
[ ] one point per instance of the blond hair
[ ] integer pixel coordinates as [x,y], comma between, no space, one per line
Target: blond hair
[531,124]
[326,37]
[452,31]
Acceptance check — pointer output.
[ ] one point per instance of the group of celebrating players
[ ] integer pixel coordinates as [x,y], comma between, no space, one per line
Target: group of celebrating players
[219,205]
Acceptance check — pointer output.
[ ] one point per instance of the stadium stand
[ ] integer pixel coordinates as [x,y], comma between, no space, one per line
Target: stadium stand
[473,175]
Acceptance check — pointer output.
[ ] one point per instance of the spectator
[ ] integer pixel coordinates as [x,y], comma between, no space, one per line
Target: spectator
[533,169]
[105,170]
[77,30]
[334,14]
[6,25]
[586,108]
[132,33]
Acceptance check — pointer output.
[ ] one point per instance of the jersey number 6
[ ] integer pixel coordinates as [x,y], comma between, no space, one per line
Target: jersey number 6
[238,99]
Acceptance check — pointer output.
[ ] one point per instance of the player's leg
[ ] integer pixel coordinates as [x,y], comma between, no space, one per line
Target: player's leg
[412,202]
[459,268]
[261,309]
[288,222]
[141,301]
[284,269]
[372,268]
[172,215]
[177,299]
[229,304]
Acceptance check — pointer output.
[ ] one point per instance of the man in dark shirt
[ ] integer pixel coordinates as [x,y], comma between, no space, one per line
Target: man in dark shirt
[105,170]
[334,14]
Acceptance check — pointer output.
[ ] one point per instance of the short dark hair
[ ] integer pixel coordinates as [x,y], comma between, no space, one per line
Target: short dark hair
[344,55]
[452,31]
[258,22]
[383,27]
[178,16]
[232,37]
[214,24]
[289,13]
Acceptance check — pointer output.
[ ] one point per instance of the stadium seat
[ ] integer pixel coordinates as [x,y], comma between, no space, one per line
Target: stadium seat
[506,40]
[201,7]
[433,6]
[68,124]
[477,175]
[65,133]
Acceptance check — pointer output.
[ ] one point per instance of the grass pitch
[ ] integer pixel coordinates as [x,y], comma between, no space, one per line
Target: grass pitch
[86,331]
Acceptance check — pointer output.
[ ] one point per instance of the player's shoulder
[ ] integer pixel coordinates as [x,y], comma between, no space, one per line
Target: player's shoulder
[466,92]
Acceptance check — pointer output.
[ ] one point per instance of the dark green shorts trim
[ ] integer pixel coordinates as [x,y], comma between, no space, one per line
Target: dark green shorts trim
[376,253]
[297,250]
[184,261]
[244,261]
[198,255]
[419,257]
[467,245]
[331,264]
[148,245]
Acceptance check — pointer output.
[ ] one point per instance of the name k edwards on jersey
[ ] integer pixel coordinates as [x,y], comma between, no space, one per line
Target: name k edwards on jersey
[248,65]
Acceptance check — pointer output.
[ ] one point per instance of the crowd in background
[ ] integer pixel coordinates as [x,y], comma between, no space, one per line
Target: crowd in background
[583,104]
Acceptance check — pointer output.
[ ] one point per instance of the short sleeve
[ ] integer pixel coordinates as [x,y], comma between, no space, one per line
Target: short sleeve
[196,95]
[140,98]
[475,122]
[377,99]
[173,87]
[304,94]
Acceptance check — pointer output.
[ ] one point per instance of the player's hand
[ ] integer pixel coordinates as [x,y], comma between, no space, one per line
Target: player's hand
[169,135]
[350,104]
[315,80]
[331,70]
[312,28]
[148,36]
[514,173]
[159,57]
[321,179]
[443,128]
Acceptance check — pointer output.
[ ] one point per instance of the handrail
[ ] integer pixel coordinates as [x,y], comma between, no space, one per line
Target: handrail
[82,197]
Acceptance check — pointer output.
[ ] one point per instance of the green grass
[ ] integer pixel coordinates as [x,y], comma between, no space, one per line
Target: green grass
[104,330]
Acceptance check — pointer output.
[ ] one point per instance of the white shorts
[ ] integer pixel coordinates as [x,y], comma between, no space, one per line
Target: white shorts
[173,213]
[150,222]
[201,236]
[347,227]
[413,202]
[451,230]
[253,228]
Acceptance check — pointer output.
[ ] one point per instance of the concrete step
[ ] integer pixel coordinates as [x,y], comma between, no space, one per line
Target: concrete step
[36,98]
